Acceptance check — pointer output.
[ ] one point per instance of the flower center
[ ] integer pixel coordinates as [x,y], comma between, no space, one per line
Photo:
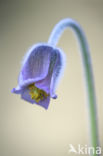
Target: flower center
[36,93]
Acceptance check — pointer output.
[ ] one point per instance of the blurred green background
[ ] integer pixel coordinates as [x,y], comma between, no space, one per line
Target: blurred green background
[29,130]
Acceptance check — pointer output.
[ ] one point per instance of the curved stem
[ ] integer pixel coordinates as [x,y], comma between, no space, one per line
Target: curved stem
[87,66]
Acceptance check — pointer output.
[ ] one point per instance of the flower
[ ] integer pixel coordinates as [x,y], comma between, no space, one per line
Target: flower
[41,68]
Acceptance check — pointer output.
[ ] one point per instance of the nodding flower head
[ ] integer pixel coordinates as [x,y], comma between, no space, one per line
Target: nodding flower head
[41,68]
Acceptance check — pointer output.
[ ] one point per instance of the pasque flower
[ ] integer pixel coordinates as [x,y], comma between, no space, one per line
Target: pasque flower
[43,65]
[40,72]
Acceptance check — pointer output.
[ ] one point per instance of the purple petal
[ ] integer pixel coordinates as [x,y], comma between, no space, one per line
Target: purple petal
[49,83]
[17,90]
[57,72]
[36,64]
[26,96]
[44,84]
[45,103]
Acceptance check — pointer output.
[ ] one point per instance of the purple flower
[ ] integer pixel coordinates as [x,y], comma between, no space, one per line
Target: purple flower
[41,68]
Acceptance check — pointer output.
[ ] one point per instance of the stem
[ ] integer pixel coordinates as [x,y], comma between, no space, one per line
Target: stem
[87,68]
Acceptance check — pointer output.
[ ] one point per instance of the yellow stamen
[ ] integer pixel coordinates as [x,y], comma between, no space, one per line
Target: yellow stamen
[36,93]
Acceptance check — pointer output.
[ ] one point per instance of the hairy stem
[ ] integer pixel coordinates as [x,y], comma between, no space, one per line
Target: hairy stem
[87,68]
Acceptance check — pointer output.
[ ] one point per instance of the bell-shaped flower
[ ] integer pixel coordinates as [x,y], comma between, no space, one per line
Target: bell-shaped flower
[41,69]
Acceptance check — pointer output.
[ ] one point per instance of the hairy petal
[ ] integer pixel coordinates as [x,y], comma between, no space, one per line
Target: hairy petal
[57,72]
[26,96]
[17,90]
[45,103]
[45,83]
[36,64]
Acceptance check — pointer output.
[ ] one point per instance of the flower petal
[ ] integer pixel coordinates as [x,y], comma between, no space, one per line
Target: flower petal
[45,103]
[36,63]
[44,84]
[57,72]
[26,96]
[17,90]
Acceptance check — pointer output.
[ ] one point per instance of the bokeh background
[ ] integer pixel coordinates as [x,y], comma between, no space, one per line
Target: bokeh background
[30,130]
